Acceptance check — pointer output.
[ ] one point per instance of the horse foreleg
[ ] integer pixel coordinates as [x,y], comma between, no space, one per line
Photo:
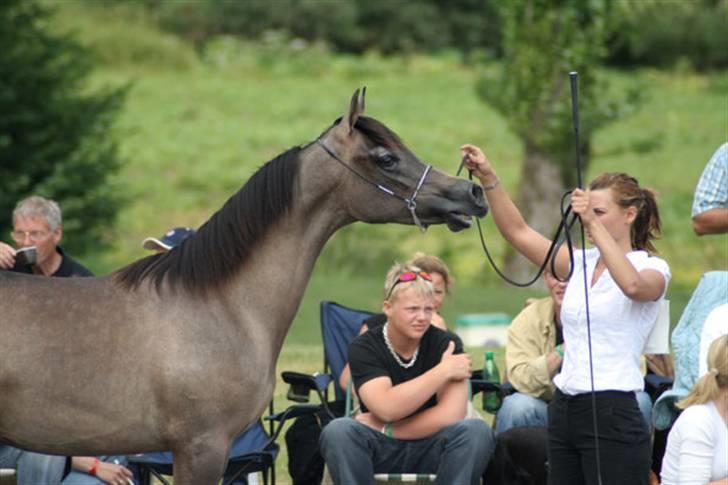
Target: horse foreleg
[201,463]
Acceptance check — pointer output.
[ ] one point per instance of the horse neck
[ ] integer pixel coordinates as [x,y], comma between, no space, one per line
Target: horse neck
[284,260]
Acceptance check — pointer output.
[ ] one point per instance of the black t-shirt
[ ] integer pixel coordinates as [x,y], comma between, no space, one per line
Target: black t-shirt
[69,267]
[370,358]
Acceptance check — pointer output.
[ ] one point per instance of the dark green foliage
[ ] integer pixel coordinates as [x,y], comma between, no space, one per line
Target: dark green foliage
[661,34]
[650,32]
[54,134]
[400,26]
[543,41]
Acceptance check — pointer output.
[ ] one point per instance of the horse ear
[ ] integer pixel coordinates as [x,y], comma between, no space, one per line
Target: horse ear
[356,108]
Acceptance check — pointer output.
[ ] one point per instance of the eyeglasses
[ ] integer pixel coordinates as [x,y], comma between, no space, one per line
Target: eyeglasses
[34,236]
[407,277]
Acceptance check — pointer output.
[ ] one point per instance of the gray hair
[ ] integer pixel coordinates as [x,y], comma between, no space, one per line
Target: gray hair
[35,205]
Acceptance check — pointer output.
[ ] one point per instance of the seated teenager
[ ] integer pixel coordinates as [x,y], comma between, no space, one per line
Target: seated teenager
[412,385]
[442,281]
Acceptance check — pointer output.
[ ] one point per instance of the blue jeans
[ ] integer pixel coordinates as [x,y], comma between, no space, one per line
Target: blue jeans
[32,468]
[520,409]
[458,453]
[645,404]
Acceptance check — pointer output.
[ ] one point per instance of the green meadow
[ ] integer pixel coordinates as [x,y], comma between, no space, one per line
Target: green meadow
[194,128]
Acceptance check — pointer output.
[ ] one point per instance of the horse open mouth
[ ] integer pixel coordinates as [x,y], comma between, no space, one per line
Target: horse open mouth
[457,221]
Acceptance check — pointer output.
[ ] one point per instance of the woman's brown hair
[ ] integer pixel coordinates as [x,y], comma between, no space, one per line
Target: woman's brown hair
[627,193]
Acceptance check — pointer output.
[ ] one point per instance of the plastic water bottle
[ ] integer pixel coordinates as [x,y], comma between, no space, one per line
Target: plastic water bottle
[491,399]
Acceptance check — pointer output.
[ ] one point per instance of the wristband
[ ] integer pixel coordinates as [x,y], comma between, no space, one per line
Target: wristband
[92,470]
[560,350]
[493,185]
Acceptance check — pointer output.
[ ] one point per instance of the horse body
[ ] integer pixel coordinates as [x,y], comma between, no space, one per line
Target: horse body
[178,350]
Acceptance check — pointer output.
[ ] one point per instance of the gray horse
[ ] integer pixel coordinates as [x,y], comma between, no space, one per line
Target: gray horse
[178,351]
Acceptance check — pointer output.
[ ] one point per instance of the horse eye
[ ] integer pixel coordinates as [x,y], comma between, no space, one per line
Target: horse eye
[387,161]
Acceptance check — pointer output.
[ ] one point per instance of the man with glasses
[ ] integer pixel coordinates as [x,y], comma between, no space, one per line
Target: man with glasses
[37,223]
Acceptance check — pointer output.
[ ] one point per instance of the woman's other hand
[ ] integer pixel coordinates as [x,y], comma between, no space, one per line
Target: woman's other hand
[580,204]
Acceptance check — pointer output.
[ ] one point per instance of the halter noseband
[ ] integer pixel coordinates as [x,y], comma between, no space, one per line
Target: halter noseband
[410,202]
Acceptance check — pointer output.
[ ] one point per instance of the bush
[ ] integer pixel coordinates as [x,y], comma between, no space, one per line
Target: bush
[353,26]
[686,31]
[55,135]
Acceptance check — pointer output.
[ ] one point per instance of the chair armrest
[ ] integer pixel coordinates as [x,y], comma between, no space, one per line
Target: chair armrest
[302,384]
[480,385]
[656,384]
[291,412]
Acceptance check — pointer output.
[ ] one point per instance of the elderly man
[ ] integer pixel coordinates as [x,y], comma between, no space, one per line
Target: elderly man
[37,223]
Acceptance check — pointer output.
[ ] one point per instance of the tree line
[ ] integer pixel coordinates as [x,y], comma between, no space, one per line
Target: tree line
[57,139]
[647,32]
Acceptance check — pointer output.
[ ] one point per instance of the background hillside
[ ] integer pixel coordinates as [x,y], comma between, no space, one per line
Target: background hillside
[194,128]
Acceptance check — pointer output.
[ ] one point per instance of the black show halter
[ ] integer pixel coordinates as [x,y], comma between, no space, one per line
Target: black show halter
[410,202]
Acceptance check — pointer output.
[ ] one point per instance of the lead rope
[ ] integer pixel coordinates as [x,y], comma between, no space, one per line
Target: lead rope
[564,225]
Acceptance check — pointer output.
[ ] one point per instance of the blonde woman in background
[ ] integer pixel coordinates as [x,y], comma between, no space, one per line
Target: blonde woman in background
[442,280]
[697,447]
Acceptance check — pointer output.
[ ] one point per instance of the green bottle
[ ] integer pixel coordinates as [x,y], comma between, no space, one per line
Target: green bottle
[491,399]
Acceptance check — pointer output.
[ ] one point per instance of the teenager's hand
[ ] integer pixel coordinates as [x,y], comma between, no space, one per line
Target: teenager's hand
[477,163]
[458,367]
[7,256]
[370,420]
[113,474]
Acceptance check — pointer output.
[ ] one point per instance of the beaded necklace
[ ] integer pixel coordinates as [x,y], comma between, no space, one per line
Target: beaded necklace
[394,354]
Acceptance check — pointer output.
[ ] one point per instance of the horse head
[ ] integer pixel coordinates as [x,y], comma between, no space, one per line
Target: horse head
[386,182]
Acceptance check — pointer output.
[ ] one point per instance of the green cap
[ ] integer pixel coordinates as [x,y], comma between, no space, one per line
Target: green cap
[489,355]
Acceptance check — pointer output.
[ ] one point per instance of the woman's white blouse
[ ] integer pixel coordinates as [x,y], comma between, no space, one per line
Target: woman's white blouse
[619,328]
[697,447]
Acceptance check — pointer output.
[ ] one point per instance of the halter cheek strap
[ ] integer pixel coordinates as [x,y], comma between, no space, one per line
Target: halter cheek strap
[410,202]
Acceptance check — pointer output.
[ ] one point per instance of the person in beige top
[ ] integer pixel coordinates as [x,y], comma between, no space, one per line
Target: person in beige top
[534,351]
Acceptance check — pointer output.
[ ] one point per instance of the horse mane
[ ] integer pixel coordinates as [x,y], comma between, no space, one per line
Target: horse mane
[209,258]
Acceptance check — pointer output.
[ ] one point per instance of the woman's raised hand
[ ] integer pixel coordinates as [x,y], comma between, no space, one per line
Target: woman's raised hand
[477,163]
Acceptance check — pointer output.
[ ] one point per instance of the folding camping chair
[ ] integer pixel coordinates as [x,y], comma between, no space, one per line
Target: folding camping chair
[255,450]
[339,326]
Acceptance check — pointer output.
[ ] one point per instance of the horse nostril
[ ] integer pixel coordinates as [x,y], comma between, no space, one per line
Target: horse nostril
[477,193]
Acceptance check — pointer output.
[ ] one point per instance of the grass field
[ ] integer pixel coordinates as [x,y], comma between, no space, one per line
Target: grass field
[193,131]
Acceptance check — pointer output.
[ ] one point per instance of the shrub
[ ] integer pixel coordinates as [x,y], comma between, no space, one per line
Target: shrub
[55,134]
